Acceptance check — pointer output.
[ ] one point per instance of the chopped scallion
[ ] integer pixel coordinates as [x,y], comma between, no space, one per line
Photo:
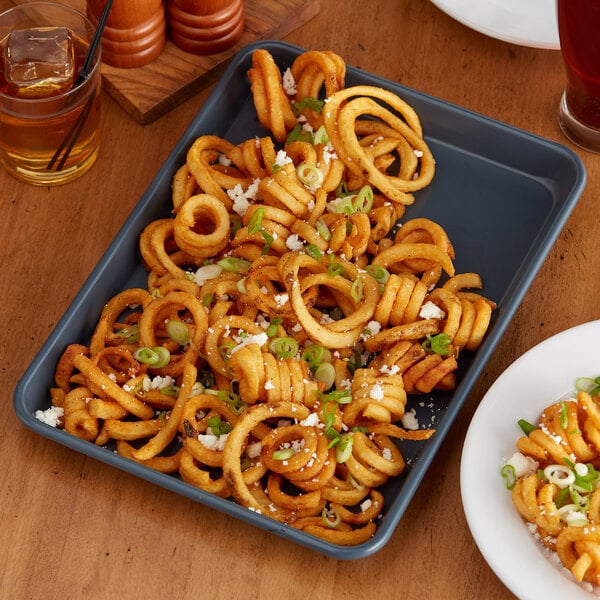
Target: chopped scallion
[283,454]
[155,358]
[178,332]
[234,265]
[509,475]
[284,347]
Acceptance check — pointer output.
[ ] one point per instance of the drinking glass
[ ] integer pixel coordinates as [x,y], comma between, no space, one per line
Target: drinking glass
[52,139]
[579,110]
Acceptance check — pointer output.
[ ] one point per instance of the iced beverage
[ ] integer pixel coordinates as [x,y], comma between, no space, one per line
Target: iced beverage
[579,114]
[48,123]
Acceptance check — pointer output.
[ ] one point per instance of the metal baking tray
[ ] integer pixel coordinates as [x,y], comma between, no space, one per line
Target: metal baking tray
[502,194]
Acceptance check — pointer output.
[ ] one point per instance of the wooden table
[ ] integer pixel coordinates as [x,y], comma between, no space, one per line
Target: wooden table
[72,527]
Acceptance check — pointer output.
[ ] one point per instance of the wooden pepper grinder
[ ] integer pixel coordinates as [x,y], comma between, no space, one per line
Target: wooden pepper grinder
[135,32]
[205,26]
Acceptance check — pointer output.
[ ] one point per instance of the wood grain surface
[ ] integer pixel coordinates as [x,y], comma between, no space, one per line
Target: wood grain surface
[75,528]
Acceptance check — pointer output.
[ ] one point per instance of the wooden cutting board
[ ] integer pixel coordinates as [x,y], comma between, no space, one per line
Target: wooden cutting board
[149,92]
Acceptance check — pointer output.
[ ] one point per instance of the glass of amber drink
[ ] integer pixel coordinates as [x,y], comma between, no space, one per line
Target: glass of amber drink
[579,110]
[49,122]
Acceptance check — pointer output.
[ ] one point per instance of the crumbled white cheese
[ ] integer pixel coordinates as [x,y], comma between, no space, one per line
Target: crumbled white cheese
[389,369]
[311,421]
[523,465]
[288,82]
[329,154]
[243,198]
[158,383]
[213,442]
[294,242]
[281,299]
[374,327]
[376,392]
[260,338]
[429,310]
[253,450]
[282,159]
[409,420]
[50,416]
[346,384]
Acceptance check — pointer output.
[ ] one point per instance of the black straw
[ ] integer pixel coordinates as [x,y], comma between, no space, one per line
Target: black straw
[71,138]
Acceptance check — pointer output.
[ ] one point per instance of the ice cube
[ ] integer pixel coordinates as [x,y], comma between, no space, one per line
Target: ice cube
[39,62]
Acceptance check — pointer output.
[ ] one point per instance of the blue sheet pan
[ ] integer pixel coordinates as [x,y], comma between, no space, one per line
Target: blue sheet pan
[502,194]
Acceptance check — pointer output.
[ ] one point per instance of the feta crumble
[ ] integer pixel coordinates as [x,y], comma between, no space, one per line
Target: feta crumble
[429,310]
[243,198]
[50,416]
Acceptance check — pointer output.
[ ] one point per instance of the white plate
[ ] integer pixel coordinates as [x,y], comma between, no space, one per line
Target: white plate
[522,22]
[542,376]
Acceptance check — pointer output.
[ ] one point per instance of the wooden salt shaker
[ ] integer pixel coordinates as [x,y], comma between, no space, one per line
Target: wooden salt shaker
[205,26]
[135,32]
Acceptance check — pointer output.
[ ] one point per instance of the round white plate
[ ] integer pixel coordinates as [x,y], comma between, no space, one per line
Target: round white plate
[522,22]
[543,375]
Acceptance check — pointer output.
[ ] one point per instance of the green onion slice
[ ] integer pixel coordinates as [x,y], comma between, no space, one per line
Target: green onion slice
[323,230]
[343,450]
[234,265]
[364,199]
[564,417]
[344,205]
[255,223]
[313,251]
[378,273]
[560,475]
[207,299]
[284,347]
[217,426]
[310,175]
[178,332]
[562,497]
[526,426]
[274,326]
[509,475]
[357,289]
[299,135]
[331,518]
[283,454]
[309,103]
[129,334]
[589,385]
[320,136]
[334,269]
[170,390]
[338,396]
[437,344]
[225,349]
[153,357]
[342,190]
[315,354]
[325,373]
[269,239]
